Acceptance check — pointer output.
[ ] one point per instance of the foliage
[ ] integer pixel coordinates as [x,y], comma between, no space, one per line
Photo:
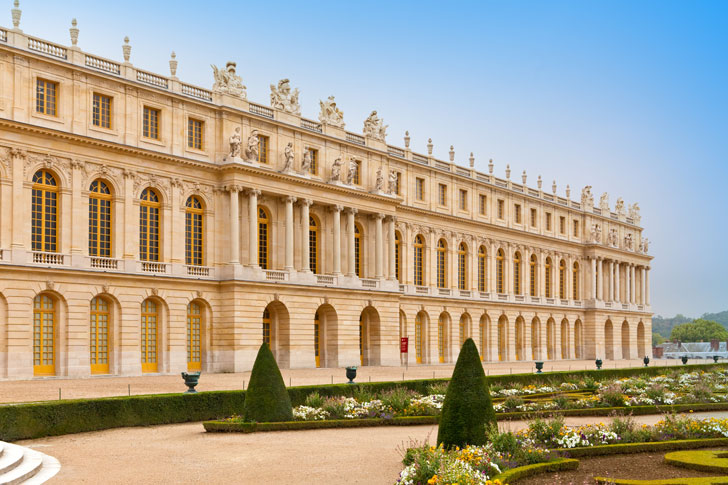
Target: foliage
[467,410]
[699,330]
[657,339]
[664,326]
[266,399]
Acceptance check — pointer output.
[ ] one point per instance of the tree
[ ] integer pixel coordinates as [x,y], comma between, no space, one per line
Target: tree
[467,410]
[699,331]
[657,339]
[266,399]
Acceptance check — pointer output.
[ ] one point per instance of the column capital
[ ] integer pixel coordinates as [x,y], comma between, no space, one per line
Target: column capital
[306,202]
[289,199]
[336,208]
[392,219]
[351,210]
[233,188]
[378,216]
[251,192]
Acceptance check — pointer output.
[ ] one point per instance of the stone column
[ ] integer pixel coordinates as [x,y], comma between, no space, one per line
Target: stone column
[593,289]
[542,274]
[131,237]
[611,280]
[643,272]
[632,286]
[526,271]
[289,233]
[305,243]
[600,279]
[647,285]
[617,282]
[336,212]
[378,247]
[491,270]
[392,249]
[234,224]
[350,269]
[253,227]
[79,216]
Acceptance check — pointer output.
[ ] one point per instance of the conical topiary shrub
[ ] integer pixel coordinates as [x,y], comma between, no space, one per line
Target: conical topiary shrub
[467,409]
[266,399]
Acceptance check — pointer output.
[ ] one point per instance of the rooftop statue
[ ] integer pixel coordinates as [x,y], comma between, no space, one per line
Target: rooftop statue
[587,199]
[283,99]
[336,170]
[251,151]
[228,82]
[604,202]
[330,114]
[634,213]
[375,127]
[619,208]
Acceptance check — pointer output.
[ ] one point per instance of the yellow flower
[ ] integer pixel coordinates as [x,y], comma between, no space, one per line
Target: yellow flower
[434,479]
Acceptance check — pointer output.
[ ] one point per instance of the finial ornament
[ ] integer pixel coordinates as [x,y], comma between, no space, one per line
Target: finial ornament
[568,191]
[472,160]
[452,153]
[406,139]
[490,166]
[126,49]
[523,177]
[74,32]
[508,171]
[16,13]
[539,182]
[173,64]
[429,146]
[553,187]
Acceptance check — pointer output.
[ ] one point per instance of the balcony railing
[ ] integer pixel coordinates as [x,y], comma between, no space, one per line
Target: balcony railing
[397,152]
[53,259]
[354,138]
[203,271]
[369,283]
[311,125]
[195,92]
[275,275]
[153,267]
[465,293]
[422,290]
[502,297]
[325,279]
[104,263]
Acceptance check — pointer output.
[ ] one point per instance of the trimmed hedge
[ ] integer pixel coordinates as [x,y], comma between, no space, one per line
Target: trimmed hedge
[666,481]
[633,410]
[701,460]
[561,464]
[266,399]
[227,427]
[623,448]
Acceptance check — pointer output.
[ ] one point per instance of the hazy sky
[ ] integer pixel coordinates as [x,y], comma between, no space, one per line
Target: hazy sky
[630,97]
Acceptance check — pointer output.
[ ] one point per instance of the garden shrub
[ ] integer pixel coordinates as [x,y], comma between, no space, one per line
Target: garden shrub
[467,410]
[314,400]
[398,398]
[266,399]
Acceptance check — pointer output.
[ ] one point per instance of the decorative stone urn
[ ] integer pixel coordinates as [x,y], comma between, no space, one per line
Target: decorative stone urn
[539,367]
[715,359]
[351,374]
[684,359]
[191,380]
[598,362]
[646,360]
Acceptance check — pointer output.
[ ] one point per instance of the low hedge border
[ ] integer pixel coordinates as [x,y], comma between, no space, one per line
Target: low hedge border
[633,410]
[701,460]
[666,481]
[227,427]
[561,464]
[624,448]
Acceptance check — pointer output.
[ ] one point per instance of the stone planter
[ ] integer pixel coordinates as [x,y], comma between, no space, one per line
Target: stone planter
[684,359]
[598,362]
[539,367]
[351,374]
[191,380]
[646,360]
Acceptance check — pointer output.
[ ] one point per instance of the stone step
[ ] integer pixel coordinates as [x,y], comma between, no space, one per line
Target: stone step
[11,457]
[48,470]
[29,466]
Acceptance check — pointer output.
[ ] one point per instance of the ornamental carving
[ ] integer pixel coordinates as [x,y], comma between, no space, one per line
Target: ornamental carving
[587,199]
[375,127]
[284,99]
[604,203]
[330,114]
[62,166]
[228,82]
[619,208]
[634,213]
[252,147]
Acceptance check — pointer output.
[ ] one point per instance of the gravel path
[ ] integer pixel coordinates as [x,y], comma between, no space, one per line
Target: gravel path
[184,453]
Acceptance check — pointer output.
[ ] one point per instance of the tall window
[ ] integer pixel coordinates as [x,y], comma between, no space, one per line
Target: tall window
[499,267]
[562,225]
[442,195]
[463,200]
[101,115]
[357,250]
[263,148]
[420,188]
[313,170]
[501,209]
[575,282]
[266,326]
[357,172]
[548,221]
[534,217]
[518,213]
[99,344]
[576,228]
[481,268]
[398,183]
[419,338]
[46,97]
[419,253]
[194,219]
[194,133]
[313,244]
[441,338]
[398,256]
[532,276]
[150,125]
[194,349]
[317,339]
[44,336]
[44,212]
[99,220]
[149,337]
[263,238]
[517,273]
[547,277]
[441,263]
[149,226]
[562,279]
[462,266]
[481,204]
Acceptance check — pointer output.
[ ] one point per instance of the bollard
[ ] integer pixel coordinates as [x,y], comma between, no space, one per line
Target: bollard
[59,393]
[243,384]
[332,378]
[129,389]
[290,381]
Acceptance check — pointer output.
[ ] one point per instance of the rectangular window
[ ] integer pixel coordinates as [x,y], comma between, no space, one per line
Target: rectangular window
[102,111]
[46,97]
[420,188]
[313,153]
[442,195]
[263,146]
[517,208]
[481,204]
[194,133]
[357,172]
[576,228]
[501,209]
[150,128]
[398,183]
[534,215]
[548,221]
[463,200]
[562,225]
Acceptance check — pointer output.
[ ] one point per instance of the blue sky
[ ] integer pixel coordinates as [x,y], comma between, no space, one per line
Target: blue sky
[630,97]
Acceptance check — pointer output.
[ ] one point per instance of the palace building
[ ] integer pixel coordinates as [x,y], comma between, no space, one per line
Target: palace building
[153,226]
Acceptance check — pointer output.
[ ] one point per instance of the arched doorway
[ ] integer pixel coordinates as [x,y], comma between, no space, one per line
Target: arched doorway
[484,335]
[443,340]
[463,329]
[275,330]
[565,353]
[626,351]
[369,351]
[608,340]
[325,327]
[641,344]
[45,334]
[520,339]
[421,320]
[535,339]
[550,339]
[503,338]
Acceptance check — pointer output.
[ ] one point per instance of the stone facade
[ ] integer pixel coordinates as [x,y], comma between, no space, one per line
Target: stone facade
[330,244]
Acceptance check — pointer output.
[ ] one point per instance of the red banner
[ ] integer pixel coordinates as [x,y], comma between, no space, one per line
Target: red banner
[403,344]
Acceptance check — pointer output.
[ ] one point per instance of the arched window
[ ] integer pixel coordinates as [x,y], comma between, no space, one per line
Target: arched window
[441,263]
[99,345]
[266,326]
[149,336]
[99,220]
[149,226]
[482,254]
[575,282]
[499,280]
[441,338]
[263,238]
[44,212]
[44,336]
[562,279]
[313,244]
[517,273]
[194,226]
[398,256]
[194,329]
[419,337]
[462,266]
[532,276]
[419,253]
[547,277]
[317,339]
[358,263]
